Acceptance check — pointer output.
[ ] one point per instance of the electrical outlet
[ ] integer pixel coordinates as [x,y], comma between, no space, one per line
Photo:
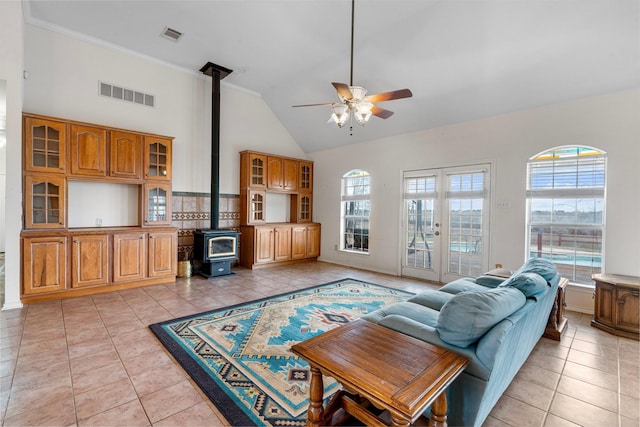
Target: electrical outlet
[98,222]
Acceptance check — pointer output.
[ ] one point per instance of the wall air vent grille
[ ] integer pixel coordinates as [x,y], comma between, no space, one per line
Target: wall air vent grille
[128,95]
[171,34]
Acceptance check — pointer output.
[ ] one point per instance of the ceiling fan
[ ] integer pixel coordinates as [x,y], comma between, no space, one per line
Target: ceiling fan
[354,101]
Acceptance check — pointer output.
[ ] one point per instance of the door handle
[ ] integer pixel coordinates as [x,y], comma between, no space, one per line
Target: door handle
[437,233]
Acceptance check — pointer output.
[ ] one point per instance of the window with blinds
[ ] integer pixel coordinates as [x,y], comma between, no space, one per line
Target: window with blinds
[356,207]
[565,203]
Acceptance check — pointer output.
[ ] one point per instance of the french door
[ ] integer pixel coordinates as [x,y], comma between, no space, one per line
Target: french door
[446,222]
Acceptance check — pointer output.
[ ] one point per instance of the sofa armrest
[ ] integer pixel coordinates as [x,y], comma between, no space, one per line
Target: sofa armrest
[429,334]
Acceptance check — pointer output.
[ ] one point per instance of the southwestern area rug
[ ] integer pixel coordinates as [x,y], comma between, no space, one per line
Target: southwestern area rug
[239,356]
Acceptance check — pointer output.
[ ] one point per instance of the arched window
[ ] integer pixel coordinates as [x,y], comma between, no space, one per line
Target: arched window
[356,188]
[565,205]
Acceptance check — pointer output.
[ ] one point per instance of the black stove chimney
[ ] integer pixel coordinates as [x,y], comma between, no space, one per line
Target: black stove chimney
[217,73]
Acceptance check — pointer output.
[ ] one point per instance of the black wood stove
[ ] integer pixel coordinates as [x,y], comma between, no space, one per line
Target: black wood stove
[214,249]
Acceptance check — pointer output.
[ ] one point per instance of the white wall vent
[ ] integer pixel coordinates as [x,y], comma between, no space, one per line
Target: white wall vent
[128,95]
[171,34]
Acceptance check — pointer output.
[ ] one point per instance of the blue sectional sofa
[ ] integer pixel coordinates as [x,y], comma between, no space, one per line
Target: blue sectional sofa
[494,322]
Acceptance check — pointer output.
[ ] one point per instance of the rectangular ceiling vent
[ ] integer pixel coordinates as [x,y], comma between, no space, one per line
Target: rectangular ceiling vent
[171,34]
[128,95]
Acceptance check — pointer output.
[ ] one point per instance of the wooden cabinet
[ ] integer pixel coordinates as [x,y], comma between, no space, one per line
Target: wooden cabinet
[90,261]
[282,243]
[58,151]
[157,158]
[125,155]
[44,145]
[617,305]
[305,176]
[162,249]
[88,151]
[253,170]
[282,174]
[44,264]
[156,203]
[264,241]
[313,240]
[305,241]
[252,207]
[45,201]
[301,207]
[278,244]
[129,257]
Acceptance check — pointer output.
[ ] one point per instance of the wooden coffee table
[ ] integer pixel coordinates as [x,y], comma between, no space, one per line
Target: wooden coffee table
[380,367]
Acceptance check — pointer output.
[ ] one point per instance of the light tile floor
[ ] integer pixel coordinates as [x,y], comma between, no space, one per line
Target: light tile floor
[92,360]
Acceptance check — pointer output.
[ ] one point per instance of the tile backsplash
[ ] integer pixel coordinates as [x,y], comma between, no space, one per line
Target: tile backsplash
[192,211]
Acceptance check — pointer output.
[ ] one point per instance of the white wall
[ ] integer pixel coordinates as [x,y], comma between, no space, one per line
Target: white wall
[610,123]
[11,29]
[63,82]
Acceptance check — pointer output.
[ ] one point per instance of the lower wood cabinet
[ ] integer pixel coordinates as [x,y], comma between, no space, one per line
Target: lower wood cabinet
[45,264]
[90,261]
[62,264]
[163,246]
[129,256]
[617,305]
[276,244]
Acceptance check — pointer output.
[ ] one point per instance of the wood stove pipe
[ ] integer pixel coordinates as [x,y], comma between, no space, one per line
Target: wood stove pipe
[217,73]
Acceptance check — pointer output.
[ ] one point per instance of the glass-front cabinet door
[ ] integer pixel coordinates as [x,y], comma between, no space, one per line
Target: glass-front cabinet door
[157,158]
[45,201]
[44,145]
[157,204]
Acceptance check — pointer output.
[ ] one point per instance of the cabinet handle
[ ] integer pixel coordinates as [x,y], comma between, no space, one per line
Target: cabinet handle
[76,241]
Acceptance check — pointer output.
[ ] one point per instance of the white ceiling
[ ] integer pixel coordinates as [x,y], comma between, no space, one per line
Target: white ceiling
[462,59]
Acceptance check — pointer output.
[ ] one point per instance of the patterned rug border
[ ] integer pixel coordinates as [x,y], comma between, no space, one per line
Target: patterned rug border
[227,407]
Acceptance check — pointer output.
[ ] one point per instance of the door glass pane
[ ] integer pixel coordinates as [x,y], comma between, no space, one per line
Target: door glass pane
[465,218]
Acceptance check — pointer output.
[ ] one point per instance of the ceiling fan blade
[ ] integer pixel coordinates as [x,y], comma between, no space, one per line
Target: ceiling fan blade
[314,105]
[343,91]
[381,112]
[388,96]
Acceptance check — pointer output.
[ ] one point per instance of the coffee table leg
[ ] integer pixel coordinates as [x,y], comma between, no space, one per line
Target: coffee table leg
[316,394]
[438,416]
[399,422]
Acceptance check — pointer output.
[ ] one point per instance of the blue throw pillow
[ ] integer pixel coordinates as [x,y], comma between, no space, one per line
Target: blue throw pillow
[539,266]
[469,315]
[530,284]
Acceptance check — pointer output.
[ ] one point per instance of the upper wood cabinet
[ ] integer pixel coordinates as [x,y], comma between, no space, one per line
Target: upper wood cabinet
[157,158]
[253,170]
[45,201]
[305,177]
[44,144]
[282,174]
[125,155]
[88,151]
[156,203]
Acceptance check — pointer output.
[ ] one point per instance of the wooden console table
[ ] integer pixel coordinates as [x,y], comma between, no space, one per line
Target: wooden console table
[617,305]
[380,367]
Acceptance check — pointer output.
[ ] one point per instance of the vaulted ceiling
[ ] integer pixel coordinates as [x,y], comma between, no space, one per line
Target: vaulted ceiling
[462,59]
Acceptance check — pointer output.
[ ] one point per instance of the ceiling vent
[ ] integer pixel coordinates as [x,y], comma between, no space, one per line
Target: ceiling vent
[171,34]
[128,95]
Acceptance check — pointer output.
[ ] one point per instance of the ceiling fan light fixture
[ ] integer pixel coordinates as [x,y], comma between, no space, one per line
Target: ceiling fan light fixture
[340,114]
[363,112]
[358,93]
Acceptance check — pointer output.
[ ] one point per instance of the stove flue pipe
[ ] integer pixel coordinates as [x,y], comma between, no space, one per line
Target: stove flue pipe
[217,73]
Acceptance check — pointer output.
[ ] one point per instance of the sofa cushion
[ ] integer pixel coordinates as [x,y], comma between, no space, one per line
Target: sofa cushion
[417,312]
[465,284]
[540,266]
[431,298]
[530,284]
[490,281]
[469,315]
